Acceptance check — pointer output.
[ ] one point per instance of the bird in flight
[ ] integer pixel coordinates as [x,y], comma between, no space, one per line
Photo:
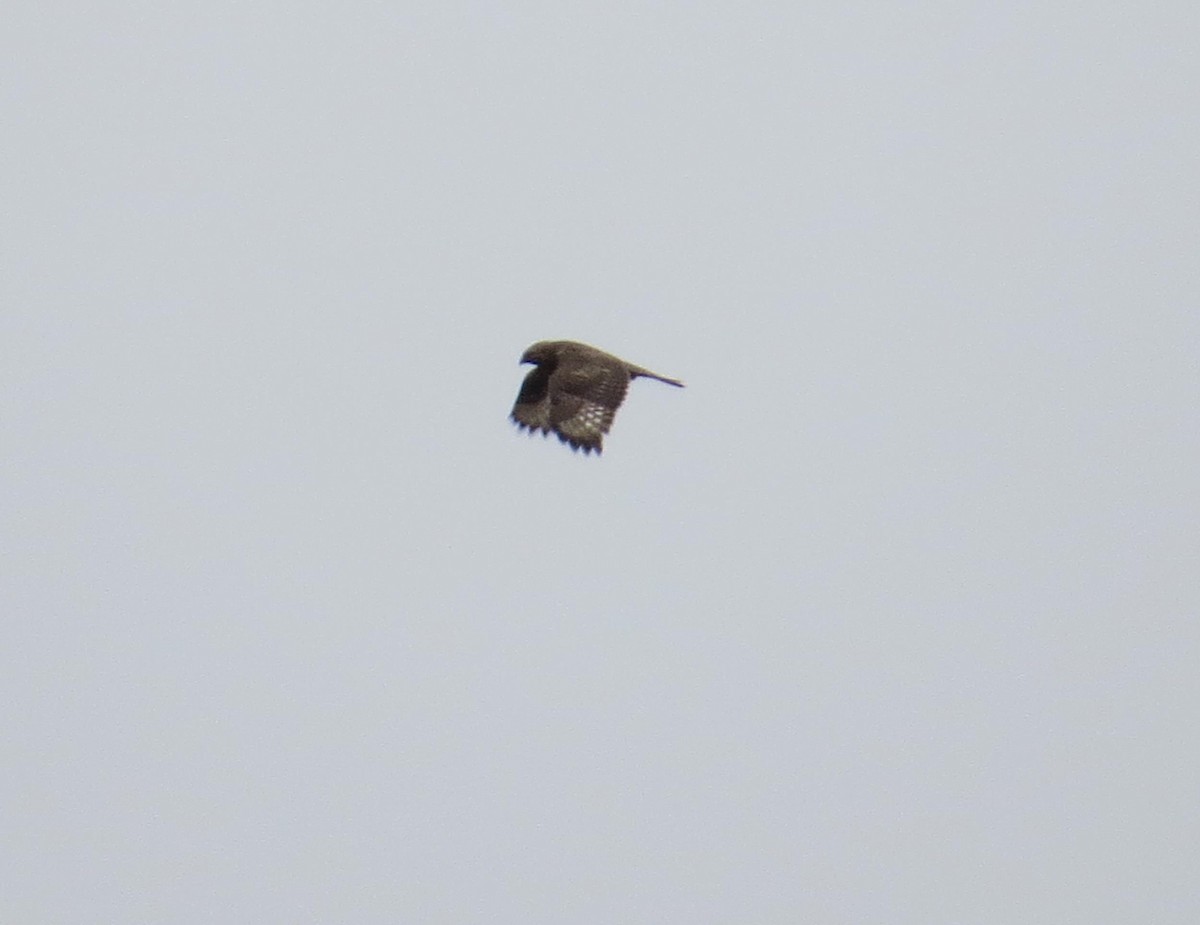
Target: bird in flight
[574,390]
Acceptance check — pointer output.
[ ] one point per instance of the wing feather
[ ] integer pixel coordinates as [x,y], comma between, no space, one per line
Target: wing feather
[584,398]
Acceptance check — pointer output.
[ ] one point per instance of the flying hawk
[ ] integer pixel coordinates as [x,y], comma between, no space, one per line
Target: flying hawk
[574,390]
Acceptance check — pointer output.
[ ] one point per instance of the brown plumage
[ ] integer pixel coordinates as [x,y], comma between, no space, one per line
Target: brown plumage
[574,390]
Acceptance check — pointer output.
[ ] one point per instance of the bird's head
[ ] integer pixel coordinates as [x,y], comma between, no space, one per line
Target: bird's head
[541,352]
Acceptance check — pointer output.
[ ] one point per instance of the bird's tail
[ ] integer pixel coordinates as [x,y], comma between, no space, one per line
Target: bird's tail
[638,371]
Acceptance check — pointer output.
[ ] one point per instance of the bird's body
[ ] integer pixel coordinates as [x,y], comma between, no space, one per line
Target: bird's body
[574,391]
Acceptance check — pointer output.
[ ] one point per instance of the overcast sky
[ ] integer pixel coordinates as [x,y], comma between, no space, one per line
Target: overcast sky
[890,616]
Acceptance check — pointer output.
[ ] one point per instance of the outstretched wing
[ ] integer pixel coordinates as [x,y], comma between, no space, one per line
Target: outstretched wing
[584,398]
[532,408]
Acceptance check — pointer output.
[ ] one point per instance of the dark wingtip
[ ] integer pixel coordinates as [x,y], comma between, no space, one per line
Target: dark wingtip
[576,445]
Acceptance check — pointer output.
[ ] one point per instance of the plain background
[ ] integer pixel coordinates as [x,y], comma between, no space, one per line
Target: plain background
[890,616]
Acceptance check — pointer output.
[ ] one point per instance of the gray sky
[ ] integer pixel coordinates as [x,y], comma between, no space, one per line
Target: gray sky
[890,616]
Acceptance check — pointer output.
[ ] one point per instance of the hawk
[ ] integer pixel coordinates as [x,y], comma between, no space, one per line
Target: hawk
[574,390]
